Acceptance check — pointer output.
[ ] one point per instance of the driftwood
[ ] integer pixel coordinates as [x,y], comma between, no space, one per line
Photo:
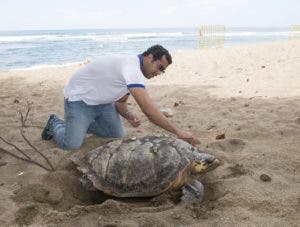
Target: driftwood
[26,157]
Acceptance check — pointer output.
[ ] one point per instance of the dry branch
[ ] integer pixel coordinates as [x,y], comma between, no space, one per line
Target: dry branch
[22,118]
[36,150]
[27,158]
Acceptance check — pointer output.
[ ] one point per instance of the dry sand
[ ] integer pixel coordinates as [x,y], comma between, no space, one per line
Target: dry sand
[251,93]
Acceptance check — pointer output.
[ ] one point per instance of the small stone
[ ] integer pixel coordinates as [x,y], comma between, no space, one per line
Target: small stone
[265,177]
[246,105]
[240,91]
[263,66]
[16,100]
[176,104]
[247,80]
[132,138]
[30,205]
[166,111]
[220,137]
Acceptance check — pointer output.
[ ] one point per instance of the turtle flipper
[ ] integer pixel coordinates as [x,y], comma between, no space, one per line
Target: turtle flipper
[87,184]
[192,193]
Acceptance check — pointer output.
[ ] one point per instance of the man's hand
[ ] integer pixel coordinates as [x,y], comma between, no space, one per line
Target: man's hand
[133,119]
[188,137]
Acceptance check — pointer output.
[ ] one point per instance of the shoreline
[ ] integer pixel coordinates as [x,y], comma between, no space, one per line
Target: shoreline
[237,71]
[45,66]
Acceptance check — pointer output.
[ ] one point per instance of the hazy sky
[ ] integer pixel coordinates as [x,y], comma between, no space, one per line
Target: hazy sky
[69,14]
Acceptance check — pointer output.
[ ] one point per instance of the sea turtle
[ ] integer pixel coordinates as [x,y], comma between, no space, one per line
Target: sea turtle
[145,167]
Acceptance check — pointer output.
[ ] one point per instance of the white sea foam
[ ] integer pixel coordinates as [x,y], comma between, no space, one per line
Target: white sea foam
[42,66]
[98,37]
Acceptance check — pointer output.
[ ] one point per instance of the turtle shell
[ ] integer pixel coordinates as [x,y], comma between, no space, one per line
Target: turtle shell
[136,167]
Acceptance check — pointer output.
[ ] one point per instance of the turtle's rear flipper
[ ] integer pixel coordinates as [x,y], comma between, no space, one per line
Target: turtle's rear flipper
[192,193]
[87,184]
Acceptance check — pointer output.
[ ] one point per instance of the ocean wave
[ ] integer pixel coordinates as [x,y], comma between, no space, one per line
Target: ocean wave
[42,66]
[97,37]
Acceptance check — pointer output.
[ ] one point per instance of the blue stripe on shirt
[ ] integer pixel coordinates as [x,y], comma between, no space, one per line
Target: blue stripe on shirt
[135,85]
[140,56]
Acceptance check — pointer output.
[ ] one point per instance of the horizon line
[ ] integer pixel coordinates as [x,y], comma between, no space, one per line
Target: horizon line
[136,28]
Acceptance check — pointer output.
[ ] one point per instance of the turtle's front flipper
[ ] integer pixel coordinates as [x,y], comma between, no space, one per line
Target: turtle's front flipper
[87,184]
[192,193]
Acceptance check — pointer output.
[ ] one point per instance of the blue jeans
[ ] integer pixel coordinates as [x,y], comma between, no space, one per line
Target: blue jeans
[80,119]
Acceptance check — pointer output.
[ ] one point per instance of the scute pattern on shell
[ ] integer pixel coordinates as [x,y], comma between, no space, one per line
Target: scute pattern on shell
[140,167]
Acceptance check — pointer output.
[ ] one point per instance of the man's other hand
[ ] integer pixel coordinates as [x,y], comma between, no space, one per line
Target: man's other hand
[134,120]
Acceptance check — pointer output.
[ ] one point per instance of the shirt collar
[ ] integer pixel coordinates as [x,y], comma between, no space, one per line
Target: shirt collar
[141,60]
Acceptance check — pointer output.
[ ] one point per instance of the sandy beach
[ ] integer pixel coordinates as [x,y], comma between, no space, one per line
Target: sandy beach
[250,93]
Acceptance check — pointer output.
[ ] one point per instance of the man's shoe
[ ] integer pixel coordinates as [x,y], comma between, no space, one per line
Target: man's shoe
[47,133]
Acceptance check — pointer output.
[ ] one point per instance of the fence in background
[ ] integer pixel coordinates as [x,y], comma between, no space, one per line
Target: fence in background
[212,35]
[295,32]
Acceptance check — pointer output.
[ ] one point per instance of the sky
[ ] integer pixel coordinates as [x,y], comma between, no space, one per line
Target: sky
[85,14]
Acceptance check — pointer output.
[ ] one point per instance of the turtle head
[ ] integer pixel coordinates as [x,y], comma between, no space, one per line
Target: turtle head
[203,161]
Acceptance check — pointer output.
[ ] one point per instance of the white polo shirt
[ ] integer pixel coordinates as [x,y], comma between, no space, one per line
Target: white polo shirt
[105,80]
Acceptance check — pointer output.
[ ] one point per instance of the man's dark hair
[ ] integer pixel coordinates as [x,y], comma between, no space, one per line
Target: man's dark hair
[158,51]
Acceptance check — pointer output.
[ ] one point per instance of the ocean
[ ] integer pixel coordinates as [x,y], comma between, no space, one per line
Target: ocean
[36,49]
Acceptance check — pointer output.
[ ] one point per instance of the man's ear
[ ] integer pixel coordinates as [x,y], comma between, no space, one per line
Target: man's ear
[150,56]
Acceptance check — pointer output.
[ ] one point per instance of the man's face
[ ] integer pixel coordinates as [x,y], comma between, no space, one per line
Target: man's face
[153,68]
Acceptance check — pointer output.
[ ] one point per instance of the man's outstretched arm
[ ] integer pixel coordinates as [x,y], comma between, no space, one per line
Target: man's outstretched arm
[155,116]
